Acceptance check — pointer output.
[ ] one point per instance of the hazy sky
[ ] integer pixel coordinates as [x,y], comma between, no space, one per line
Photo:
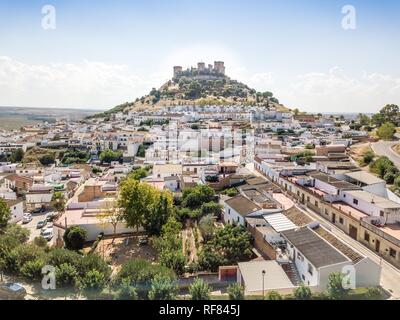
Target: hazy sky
[103,53]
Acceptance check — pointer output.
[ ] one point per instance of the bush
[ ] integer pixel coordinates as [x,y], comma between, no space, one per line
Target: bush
[373,294]
[66,275]
[32,270]
[59,256]
[47,159]
[236,292]
[368,157]
[93,280]
[302,293]
[91,262]
[273,295]
[231,192]
[199,290]
[74,238]
[127,291]
[163,288]
[389,177]
[140,272]
[336,291]
[40,242]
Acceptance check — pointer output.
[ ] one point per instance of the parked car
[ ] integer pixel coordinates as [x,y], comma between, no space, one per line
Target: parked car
[38,210]
[48,234]
[12,291]
[50,216]
[26,218]
[41,224]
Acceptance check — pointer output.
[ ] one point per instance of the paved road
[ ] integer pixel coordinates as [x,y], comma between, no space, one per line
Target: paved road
[390,275]
[384,148]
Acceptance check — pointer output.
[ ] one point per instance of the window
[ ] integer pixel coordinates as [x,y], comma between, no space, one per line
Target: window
[355,201]
[299,256]
[229,211]
[366,236]
[308,199]
[326,212]
[304,278]
[316,204]
[310,269]
[382,214]
[392,253]
[341,220]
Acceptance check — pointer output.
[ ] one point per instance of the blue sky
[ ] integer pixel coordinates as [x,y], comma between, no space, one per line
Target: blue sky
[114,51]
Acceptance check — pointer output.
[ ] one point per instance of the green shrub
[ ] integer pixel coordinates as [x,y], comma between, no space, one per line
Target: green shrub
[236,292]
[93,280]
[66,275]
[74,238]
[199,290]
[32,270]
[40,242]
[302,293]
[127,291]
[273,295]
[163,288]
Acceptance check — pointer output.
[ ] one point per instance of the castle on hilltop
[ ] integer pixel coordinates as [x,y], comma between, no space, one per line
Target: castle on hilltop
[217,69]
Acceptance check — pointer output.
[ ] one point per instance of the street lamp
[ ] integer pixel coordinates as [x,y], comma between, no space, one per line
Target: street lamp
[263,275]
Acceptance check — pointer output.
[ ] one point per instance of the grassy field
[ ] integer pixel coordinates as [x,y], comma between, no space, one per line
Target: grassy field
[15,122]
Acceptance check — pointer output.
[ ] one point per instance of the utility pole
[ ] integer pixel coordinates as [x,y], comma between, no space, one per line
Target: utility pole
[263,277]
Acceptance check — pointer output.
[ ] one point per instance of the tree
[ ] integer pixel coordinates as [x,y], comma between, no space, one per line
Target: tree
[74,238]
[302,293]
[58,201]
[336,288]
[139,173]
[109,156]
[236,292]
[382,166]
[110,215]
[136,201]
[211,208]
[368,157]
[195,197]
[206,226]
[40,242]
[158,215]
[199,290]
[47,159]
[5,213]
[17,155]
[163,288]
[386,131]
[389,113]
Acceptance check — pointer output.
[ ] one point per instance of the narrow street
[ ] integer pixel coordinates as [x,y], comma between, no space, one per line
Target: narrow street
[384,148]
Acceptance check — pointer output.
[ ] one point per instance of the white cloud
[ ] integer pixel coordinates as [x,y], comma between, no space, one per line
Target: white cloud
[100,85]
[85,85]
[335,91]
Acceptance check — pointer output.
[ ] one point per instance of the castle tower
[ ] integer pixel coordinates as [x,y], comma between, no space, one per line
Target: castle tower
[201,66]
[219,67]
[177,70]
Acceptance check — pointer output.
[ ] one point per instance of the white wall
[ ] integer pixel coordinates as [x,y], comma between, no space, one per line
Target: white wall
[17,212]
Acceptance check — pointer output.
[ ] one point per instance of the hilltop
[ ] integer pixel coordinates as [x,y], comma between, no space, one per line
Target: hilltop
[200,86]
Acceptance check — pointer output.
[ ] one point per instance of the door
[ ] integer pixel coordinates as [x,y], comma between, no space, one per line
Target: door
[302,198]
[333,218]
[377,245]
[353,232]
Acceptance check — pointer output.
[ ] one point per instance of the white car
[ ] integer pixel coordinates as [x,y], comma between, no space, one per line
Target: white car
[48,234]
[27,218]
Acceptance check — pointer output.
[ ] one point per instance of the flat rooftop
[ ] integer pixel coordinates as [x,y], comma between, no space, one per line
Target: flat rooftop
[315,249]
[373,198]
[275,276]
[364,177]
